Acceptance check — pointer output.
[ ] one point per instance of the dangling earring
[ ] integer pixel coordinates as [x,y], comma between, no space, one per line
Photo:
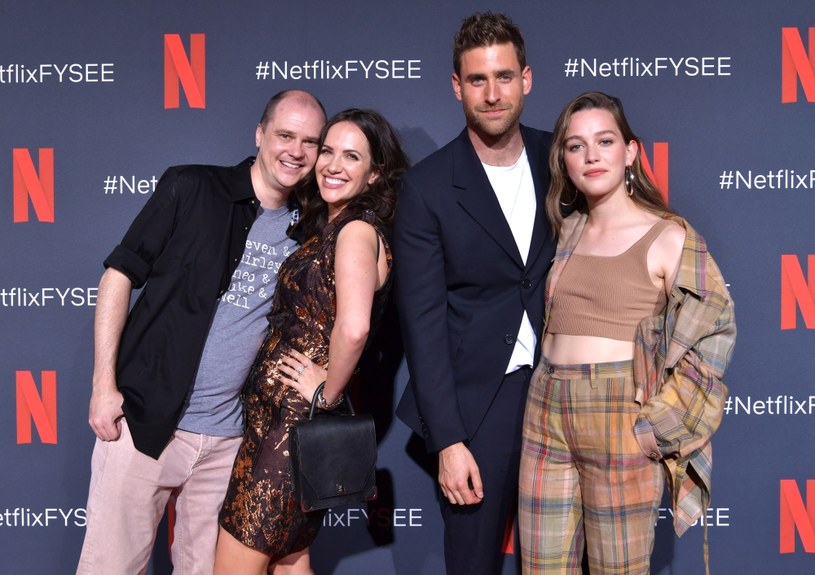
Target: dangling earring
[566,205]
[629,181]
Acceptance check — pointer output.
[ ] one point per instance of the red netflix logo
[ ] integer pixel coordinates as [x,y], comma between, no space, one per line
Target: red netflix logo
[797,292]
[659,172]
[35,408]
[189,72]
[794,516]
[33,185]
[796,65]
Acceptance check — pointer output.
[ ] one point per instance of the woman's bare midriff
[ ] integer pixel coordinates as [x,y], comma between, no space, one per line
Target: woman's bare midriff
[562,349]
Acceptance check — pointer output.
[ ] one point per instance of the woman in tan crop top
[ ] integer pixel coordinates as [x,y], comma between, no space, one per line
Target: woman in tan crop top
[605,421]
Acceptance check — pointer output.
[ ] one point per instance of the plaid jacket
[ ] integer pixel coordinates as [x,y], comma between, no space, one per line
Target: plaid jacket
[679,361]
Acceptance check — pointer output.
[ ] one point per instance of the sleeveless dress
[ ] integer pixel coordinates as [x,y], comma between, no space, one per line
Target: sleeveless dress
[261,509]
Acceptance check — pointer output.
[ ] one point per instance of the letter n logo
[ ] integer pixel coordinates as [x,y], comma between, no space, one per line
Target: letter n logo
[659,172]
[797,290]
[188,72]
[796,64]
[508,545]
[41,410]
[30,184]
[793,515]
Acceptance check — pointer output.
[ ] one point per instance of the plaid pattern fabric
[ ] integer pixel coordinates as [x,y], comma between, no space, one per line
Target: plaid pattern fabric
[584,481]
[679,361]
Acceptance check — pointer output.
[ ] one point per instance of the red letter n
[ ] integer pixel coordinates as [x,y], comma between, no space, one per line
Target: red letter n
[42,411]
[796,290]
[189,72]
[29,184]
[796,64]
[659,174]
[792,515]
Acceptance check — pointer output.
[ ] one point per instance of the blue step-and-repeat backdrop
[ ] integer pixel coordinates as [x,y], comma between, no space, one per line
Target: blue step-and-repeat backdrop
[98,98]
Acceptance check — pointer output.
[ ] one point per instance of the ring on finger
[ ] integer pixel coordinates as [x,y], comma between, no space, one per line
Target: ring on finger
[300,369]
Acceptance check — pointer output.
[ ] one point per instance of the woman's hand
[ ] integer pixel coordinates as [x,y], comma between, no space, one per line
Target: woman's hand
[302,374]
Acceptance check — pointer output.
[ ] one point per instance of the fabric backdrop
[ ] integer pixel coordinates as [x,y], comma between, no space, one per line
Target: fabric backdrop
[98,98]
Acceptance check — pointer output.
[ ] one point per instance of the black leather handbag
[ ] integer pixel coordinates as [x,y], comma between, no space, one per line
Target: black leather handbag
[333,457]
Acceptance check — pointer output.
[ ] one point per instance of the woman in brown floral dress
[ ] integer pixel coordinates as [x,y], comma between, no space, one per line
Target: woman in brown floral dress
[332,289]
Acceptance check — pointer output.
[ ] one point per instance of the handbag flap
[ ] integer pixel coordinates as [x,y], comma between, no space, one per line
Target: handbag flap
[335,454]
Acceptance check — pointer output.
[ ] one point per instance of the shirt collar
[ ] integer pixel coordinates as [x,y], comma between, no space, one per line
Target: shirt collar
[240,188]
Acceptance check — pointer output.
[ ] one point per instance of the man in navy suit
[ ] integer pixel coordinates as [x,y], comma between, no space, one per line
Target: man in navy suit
[472,248]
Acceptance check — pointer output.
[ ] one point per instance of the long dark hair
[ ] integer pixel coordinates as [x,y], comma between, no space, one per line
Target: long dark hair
[563,196]
[387,158]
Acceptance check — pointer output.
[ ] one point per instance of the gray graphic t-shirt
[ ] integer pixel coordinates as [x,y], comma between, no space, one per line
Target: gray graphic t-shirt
[213,405]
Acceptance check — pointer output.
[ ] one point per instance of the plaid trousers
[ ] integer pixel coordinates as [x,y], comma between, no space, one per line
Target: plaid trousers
[585,484]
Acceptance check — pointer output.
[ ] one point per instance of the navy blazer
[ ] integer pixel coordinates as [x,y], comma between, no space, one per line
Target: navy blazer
[462,286]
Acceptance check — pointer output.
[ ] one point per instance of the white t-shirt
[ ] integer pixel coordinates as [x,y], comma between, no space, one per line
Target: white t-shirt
[515,190]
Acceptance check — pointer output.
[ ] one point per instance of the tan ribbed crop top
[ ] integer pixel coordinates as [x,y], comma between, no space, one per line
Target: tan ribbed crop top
[607,296]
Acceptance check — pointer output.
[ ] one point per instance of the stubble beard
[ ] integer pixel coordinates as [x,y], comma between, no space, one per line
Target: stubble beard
[493,130]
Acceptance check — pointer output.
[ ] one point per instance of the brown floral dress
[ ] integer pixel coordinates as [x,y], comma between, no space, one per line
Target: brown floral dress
[261,509]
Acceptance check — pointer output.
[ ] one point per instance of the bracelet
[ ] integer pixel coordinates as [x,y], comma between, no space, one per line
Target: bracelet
[323,404]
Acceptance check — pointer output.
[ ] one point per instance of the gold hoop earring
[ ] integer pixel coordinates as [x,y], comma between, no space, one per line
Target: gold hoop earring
[629,181]
[574,199]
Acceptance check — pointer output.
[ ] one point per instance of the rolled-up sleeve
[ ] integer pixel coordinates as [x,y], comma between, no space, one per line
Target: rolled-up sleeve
[148,234]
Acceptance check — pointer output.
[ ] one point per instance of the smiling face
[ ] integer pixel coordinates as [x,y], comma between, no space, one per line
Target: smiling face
[595,153]
[491,87]
[287,144]
[344,169]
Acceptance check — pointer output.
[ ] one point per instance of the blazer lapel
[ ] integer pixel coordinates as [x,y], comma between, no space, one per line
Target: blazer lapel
[477,198]
[538,164]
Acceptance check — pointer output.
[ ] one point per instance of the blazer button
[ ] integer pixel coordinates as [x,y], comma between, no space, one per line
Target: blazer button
[509,339]
[526,284]
[654,455]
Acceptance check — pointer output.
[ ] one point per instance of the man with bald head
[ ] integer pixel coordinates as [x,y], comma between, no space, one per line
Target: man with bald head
[165,403]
